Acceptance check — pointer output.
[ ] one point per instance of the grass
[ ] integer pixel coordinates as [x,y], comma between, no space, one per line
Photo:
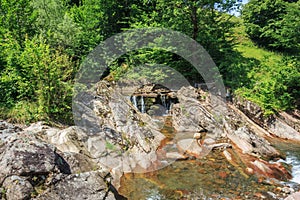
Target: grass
[263,73]
[249,49]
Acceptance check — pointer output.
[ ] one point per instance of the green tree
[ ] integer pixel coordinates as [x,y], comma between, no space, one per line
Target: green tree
[17,17]
[273,24]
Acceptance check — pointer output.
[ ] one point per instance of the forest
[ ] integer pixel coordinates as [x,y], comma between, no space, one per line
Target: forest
[43,43]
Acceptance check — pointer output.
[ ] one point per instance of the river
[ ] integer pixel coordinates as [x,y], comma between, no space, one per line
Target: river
[211,177]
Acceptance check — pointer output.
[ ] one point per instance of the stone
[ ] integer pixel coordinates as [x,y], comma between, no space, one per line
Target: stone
[20,157]
[175,156]
[90,185]
[282,130]
[227,155]
[190,115]
[294,196]
[220,146]
[253,144]
[17,188]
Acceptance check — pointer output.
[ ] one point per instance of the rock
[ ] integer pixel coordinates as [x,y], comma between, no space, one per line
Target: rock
[282,130]
[40,129]
[294,196]
[26,156]
[252,110]
[272,195]
[191,146]
[6,127]
[190,115]
[227,155]
[268,170]
[89,185]
[292,119]
[220,146]
[249,170]
[198,136]
[252,144]
[79,163]
[209,141]
[17,188]
[287,190]
[71,139]
[284,125]
[175,156]
[262,166]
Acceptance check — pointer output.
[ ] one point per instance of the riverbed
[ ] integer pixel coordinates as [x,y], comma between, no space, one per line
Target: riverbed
[210,177]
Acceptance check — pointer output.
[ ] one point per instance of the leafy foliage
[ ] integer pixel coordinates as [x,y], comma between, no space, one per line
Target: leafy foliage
[43,42]
[273,24]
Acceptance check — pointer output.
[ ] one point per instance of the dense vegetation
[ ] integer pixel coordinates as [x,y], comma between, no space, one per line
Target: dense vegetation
[43,42]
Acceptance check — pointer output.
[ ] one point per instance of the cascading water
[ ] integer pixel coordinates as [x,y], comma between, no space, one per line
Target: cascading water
[142,105]
[292,151]
[134,101]
[163,100]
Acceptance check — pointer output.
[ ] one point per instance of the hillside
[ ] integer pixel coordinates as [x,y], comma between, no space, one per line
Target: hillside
[273,77]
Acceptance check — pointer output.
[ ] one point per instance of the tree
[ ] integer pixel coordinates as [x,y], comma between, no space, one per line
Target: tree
[17,17]
[273,24]
[207,22]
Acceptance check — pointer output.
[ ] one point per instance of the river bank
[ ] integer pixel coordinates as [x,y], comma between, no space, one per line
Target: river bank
[122,148]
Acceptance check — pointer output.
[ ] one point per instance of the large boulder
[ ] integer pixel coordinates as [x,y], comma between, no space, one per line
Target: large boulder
[191,116]
[25,155]
[90,186]
[252,144]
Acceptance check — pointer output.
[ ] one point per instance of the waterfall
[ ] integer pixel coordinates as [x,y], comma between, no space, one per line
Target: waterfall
[142,105]
[163,101]
[134,102]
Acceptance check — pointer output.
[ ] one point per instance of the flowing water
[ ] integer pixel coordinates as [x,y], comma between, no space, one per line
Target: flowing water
[292,152]
[211,177]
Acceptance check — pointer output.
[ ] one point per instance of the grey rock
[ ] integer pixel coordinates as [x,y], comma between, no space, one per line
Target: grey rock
[89,185]
[252,144]
[26,156]
[279,128]
[17,188]
[191,116]
[294,196]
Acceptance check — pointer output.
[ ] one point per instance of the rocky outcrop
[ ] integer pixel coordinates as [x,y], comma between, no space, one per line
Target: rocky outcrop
[252,144]
[282,125]
[29,165]
[112,137]
[90,185]
[190,115]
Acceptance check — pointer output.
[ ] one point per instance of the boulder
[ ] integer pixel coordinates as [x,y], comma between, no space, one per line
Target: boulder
[17,188]
[253,144]
[294,196]
[90,185]
[190,115]
[26,155]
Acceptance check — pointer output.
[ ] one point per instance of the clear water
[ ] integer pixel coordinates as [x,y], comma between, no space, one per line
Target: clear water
[292,152]
[209,178]
[212,177]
